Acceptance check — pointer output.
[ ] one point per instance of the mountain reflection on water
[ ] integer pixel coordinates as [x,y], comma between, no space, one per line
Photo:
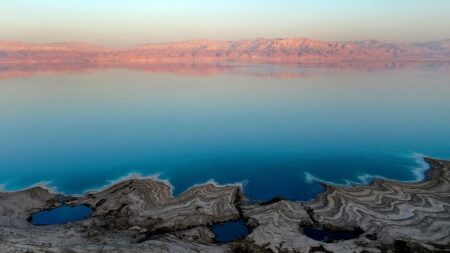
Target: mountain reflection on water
[211,69]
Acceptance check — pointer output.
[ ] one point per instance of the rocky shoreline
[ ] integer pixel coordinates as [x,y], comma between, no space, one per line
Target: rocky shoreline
[141,215]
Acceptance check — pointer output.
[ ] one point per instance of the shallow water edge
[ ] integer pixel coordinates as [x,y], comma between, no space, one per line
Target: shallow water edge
[141,214]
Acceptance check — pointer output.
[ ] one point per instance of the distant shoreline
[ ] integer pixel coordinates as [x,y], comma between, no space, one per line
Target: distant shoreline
[283,50]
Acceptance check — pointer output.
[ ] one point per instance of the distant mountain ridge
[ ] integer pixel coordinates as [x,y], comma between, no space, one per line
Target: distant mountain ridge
[261,50]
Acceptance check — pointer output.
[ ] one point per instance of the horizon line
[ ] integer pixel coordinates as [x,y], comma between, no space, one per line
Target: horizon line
[218,40]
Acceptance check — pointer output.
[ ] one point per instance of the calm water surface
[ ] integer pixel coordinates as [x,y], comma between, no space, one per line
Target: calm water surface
[276,133]
[61,215]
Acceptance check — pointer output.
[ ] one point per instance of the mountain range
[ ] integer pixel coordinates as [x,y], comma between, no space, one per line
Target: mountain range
[284,50]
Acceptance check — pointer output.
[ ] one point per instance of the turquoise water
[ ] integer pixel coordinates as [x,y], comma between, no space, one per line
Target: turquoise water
[276,133]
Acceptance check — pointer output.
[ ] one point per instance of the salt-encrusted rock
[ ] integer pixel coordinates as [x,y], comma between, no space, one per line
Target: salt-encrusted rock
[415,215]
[141,215]
[67,239]
[277,226]
[16,207]
[149,204]
[137,215]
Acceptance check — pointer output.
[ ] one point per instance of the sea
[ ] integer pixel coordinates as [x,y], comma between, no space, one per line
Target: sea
[276,130]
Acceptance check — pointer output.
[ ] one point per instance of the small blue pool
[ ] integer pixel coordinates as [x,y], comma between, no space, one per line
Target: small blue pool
[328,236]
[229,231]
[61,215]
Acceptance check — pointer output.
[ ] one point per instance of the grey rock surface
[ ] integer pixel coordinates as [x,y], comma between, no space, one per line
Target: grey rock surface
[141,215]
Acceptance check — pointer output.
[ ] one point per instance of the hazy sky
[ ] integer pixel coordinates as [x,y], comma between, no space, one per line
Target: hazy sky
[128,22]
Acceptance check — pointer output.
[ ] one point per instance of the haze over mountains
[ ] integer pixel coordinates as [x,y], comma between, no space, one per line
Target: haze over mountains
[289,50]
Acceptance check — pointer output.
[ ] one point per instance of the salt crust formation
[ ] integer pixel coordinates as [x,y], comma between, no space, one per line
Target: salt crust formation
[141,215]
